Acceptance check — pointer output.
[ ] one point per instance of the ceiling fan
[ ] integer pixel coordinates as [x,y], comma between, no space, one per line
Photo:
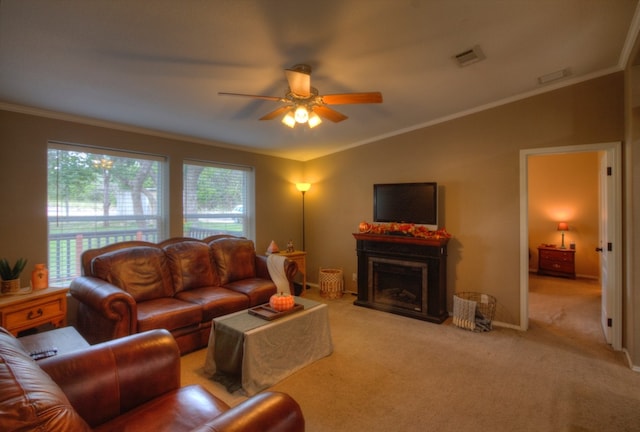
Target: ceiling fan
[303,104]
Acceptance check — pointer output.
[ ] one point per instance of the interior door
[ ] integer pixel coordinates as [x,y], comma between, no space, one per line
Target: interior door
[610,246]
[610,205]
[607,277]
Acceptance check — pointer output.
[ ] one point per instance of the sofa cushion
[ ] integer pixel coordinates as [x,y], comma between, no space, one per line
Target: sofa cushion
[167,313]
[30,399]
[141,271]
[234,258]
[191,265]
[215,301]
[193,403]
[258,290]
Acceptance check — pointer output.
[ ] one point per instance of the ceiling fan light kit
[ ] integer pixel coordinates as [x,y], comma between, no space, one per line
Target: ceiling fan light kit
[303,103]
[314,120]
[301,114]
[289,119]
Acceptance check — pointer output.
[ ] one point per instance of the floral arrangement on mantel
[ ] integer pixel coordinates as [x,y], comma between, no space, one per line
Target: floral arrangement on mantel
[406,229]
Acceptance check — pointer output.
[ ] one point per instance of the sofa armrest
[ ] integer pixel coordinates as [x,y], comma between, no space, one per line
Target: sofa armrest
[265,412]
[106,312]
[113,377]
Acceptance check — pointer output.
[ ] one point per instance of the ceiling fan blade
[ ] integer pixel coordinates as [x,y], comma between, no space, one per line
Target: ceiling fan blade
[270,98]
[275,113]
[352,98]
[299,81]
[329,113]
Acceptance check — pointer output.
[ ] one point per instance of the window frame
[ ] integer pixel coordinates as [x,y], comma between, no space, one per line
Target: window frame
[248,195]
[57,272]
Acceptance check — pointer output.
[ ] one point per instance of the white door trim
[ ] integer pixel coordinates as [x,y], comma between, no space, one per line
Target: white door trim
[613,148]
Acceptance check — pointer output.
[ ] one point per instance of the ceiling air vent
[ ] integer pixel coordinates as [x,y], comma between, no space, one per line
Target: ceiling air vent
[474,55]
[554,76]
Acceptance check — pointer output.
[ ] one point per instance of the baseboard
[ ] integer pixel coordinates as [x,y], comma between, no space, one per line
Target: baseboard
[534,271]
[506,325]
[629,361]
[499,324]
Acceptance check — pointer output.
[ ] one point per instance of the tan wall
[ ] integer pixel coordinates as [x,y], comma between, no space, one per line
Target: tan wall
[564,188]
[23,159]
[475,160]
[631,295]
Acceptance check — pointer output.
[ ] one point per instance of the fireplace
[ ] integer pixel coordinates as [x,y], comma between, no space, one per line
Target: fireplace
[398,283]
[402,275]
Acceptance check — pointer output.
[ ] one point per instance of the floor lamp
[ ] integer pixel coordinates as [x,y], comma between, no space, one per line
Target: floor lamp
[303,187]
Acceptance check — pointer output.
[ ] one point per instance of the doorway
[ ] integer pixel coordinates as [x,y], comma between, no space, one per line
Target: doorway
[609,219]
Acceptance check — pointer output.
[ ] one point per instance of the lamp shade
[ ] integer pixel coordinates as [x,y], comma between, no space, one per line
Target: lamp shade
[301,114]
[314,120]
[303,187]
[289,119]
[563,226]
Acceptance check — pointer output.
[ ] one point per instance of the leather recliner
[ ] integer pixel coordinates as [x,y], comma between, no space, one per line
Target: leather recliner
[131,383]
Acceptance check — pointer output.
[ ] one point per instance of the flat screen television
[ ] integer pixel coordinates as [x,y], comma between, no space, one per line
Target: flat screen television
[406,203]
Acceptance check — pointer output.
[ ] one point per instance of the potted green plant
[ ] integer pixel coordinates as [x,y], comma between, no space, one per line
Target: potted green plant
[11,275]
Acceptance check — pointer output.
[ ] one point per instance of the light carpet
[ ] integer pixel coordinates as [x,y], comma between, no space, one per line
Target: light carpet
[392,373]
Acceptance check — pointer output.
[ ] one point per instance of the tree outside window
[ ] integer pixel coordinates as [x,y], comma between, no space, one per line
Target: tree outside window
[95,199]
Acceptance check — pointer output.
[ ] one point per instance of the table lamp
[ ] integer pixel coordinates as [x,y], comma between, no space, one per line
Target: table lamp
[562,227]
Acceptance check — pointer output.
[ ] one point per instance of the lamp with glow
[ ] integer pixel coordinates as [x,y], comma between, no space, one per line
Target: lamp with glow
[562,227]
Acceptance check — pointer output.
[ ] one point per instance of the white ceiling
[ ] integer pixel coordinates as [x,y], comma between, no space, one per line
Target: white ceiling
[159,64]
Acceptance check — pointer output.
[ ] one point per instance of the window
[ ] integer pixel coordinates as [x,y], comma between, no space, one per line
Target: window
[217,200]
[97,197]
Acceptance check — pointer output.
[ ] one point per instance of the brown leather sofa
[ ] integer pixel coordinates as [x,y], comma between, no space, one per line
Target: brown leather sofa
[132,384]
[180,285]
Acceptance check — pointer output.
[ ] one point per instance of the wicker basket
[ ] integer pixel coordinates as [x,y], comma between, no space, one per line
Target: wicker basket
[10,286]
[331,283]
[485,304]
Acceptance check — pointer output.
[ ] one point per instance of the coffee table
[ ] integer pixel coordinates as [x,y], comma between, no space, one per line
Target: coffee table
[249,354]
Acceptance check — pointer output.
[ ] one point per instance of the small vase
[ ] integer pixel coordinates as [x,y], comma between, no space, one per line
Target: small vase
[40,277]
[10,286]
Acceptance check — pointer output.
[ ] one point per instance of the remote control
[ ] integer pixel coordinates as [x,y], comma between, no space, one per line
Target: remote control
[39,355]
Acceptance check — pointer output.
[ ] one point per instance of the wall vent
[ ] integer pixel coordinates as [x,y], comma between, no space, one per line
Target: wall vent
[468,57]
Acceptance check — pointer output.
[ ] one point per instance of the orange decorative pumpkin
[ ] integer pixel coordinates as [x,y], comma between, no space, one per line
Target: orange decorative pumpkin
[364,227]
[282,301]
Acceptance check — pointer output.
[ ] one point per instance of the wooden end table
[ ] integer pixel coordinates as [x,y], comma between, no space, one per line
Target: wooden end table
[300,258]
[24,311]
[63,340]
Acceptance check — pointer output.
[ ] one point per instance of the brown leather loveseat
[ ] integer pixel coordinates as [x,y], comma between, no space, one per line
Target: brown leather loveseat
[133,384]
[180,285]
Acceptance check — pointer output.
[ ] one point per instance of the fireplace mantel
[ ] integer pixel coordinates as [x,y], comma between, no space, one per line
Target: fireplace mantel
[414,270]
[435,241]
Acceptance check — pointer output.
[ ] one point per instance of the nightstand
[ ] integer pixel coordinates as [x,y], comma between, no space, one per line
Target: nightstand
[556,262]
[300,258]
[24,311]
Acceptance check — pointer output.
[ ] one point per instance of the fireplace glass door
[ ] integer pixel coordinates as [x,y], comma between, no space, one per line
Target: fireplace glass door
[398,283]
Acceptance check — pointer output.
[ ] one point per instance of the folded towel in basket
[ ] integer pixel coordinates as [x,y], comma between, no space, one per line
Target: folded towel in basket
[464,313]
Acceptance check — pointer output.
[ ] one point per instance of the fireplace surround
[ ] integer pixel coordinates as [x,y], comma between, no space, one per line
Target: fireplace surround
[403,275]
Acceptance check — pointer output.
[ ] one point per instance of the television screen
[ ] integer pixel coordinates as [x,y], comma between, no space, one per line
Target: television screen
[406,202]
